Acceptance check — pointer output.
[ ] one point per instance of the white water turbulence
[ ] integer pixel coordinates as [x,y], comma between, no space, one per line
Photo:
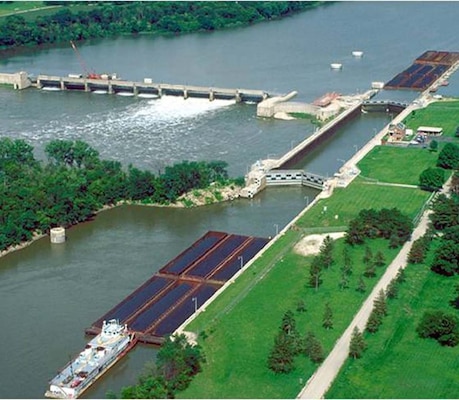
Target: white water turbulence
[150,133]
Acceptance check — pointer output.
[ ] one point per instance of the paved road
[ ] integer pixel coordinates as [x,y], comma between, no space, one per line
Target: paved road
[318,384]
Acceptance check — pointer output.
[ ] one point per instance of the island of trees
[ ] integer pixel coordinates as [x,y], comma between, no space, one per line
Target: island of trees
[111,18]
[76,183]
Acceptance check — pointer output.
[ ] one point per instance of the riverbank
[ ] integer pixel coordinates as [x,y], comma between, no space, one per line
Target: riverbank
[195,198]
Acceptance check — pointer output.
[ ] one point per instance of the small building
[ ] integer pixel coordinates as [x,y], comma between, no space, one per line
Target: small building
[397,131]
[430,131]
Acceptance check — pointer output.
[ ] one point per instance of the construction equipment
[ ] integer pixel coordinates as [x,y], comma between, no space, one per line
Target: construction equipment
[88,74]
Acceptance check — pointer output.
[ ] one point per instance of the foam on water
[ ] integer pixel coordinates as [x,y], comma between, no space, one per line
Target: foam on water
[150,133]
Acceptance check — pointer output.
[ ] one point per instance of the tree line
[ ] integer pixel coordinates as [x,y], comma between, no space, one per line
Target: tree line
[108,19]
[75,183]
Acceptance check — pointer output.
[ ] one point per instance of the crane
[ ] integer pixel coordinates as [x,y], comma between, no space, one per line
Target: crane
[88,74]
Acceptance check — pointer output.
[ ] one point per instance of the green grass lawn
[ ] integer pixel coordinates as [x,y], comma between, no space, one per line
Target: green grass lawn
[397,164]
[397,363]
[30,10]
[347,202]
[442,113]
[241,334]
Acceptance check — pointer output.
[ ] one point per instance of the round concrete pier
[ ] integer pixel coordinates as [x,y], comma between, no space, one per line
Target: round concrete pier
[57,235]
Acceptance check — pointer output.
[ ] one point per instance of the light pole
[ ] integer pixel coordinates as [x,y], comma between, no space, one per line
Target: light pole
[307,200]
[356,148]
[277,228]
[241,259]
[195,300]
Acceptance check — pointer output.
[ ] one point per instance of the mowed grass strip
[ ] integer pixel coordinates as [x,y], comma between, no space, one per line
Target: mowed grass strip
[346,203]
[238,342]
[401,165]
[441,114]
[397,363]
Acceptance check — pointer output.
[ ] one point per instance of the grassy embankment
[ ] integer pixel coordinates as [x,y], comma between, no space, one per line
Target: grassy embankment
[241,328]
[397,363]
[442,113]
[241,324]
[27,9]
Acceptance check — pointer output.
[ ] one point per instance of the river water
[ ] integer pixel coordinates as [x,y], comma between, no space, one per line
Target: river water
[50,293]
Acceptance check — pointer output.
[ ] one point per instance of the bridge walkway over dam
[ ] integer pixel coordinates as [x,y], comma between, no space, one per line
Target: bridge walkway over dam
[147,87]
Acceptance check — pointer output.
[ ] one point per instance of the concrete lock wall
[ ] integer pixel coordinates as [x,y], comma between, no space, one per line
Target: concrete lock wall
[19,80]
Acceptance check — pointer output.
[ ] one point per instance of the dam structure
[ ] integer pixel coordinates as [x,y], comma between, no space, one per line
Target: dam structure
[146,88]
[111,84]
[279,171]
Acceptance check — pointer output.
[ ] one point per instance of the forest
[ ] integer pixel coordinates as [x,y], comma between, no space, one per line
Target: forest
[75,183]
[112,18]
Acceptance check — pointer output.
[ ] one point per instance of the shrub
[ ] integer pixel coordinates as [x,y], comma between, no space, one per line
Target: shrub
[440,326]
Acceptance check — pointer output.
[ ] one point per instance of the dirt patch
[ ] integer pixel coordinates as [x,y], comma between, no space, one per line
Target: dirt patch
[310,244]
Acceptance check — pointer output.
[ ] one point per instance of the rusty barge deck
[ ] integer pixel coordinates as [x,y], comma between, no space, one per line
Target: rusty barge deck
[159,306]
[424,71]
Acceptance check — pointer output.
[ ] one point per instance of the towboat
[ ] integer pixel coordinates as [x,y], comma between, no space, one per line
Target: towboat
[357,53]
[104,350]
[336,66]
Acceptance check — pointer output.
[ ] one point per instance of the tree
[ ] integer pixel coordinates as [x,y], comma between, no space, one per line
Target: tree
[312,348]
[326,251]
[315,272]
[380,303]
[374,321]
[454,187]
[440,326]
[368,257]
[401,275]
[370,271]
[301,306]
[433,146]
[177,362]
[455,302]
[445,212]
[392,289]
[361,287]
[432,179]
[280,359]
[449,156]
[418,251]
[347,262]
[357,345]
[446,260]
[327,321]
[380,260]
[344,281]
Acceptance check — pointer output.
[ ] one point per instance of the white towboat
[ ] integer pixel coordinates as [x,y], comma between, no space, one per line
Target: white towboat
[357,53]
[336,66]
[96,358]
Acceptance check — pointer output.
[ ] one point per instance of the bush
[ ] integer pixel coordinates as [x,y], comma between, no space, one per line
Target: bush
[440,326]
[432,179]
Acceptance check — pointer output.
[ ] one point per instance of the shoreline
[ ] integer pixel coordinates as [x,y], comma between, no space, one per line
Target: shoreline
[229,195]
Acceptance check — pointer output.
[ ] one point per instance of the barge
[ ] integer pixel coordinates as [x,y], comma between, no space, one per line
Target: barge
[104,350]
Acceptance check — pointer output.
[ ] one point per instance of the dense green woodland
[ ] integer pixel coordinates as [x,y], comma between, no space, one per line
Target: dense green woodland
[108,19]
[75,183]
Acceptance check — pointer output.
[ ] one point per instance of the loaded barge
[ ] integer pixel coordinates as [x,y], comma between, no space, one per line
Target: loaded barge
[158,307]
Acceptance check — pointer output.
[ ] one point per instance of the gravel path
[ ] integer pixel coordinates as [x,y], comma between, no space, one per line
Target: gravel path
[318,384]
